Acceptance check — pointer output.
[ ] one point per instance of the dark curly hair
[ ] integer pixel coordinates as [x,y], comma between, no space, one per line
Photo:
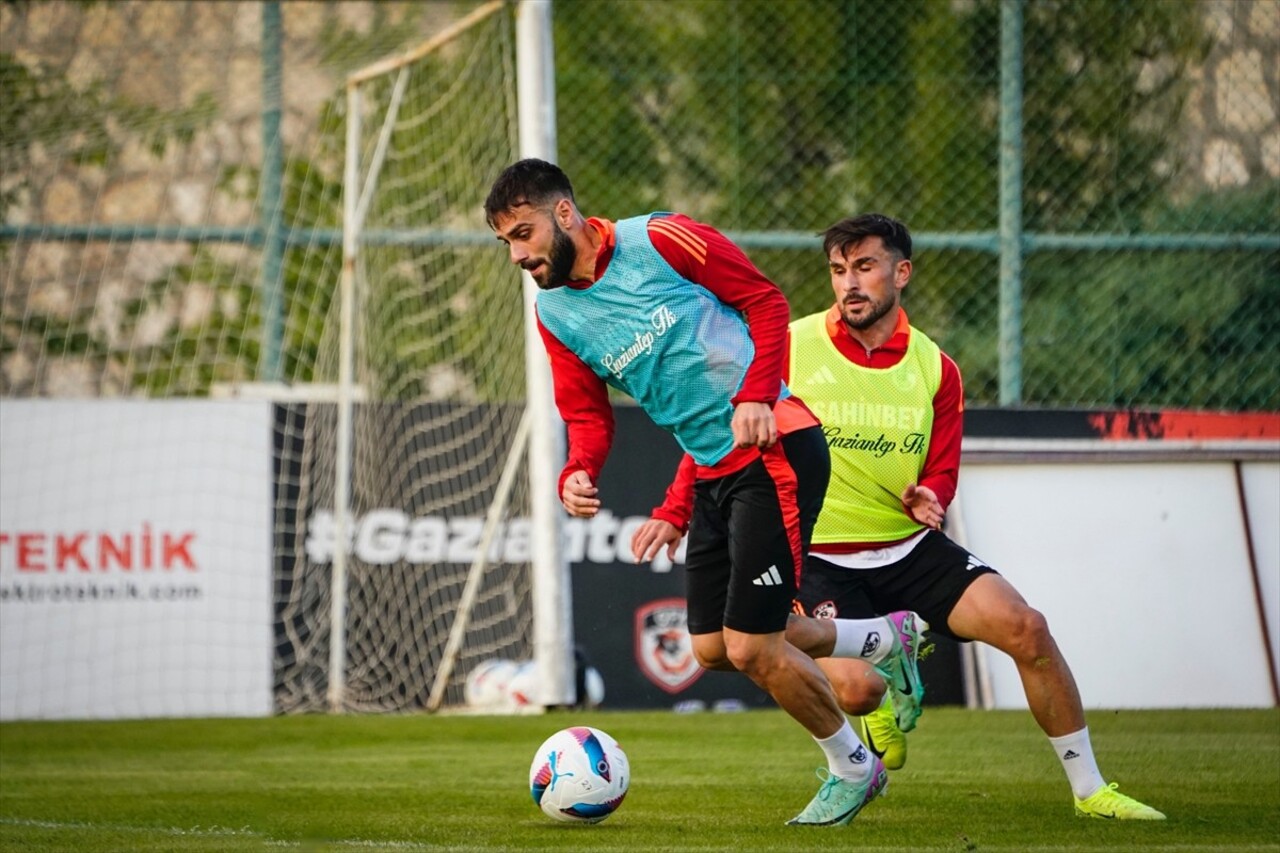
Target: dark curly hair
[849,232]
[532,181]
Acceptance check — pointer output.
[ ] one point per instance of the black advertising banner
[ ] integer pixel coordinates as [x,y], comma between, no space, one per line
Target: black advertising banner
[629,619]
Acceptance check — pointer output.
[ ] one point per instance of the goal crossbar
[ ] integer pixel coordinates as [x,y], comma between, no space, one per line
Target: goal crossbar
[448,34]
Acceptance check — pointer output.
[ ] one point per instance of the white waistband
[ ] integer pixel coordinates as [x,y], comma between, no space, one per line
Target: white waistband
[871,559]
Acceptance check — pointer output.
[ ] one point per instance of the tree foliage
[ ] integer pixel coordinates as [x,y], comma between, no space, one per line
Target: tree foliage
[757,115]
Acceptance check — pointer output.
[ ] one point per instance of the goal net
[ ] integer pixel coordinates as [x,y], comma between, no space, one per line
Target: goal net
[425,437]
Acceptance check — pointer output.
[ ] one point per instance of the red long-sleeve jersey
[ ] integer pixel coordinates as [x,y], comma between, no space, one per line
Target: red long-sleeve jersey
[706,257]
[941,469]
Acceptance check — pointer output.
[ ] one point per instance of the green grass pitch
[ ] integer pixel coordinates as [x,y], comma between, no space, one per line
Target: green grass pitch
[974,781]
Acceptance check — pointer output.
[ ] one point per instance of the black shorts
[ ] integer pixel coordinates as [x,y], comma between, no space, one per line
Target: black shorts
[748,536]
[929,580]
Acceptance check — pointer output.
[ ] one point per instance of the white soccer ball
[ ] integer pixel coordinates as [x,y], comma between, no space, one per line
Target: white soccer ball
[486,685]
[579,775]
[522,689]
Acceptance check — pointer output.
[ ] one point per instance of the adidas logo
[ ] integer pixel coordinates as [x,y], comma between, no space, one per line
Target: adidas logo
[822,376]
[1070,754]
[769,578]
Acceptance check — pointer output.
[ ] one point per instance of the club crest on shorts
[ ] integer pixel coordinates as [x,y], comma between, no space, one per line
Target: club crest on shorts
[664,650]
[825,610]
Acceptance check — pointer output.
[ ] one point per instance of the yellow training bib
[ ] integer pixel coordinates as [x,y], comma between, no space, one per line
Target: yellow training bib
[877,423]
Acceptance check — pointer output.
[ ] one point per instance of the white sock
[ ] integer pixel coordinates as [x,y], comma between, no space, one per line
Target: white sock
[1076,754]
[846,756]
[867,639]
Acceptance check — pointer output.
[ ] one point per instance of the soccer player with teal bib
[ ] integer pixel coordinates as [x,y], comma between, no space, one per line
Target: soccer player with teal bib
[671,312]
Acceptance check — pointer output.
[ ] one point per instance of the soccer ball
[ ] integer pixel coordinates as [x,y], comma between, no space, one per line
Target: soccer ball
[579,775]
[486,685]
[522,688]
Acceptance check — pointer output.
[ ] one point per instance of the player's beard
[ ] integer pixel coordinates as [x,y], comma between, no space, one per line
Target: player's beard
[560,260]
[876,312]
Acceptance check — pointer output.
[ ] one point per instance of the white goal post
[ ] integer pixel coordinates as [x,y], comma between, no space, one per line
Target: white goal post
[553,640]
[450,410]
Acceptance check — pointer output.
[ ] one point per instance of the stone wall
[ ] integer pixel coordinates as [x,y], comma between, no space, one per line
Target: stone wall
[201,61]
[1233,134]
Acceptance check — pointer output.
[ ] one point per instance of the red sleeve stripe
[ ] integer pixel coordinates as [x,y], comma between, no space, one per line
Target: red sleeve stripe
[692,243]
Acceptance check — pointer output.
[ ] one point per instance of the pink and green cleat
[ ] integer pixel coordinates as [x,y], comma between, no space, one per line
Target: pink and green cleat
[901,669]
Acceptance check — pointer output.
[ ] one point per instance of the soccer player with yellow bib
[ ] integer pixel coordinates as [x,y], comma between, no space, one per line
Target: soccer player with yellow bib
[891,406]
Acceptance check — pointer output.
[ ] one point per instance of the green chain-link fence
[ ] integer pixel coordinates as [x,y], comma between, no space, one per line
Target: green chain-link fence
[1133,168]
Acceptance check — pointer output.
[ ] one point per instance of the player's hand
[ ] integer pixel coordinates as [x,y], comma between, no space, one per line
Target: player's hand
[754,426]
[651,537]
[923,505]
[579,495]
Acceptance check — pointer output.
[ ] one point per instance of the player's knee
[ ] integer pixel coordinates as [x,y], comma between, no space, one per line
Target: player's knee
[710,659]
[709,652]
[752,656]
[744,659]
[1029,635]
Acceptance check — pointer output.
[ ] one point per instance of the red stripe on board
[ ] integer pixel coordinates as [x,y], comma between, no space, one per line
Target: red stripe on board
[1175,424]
